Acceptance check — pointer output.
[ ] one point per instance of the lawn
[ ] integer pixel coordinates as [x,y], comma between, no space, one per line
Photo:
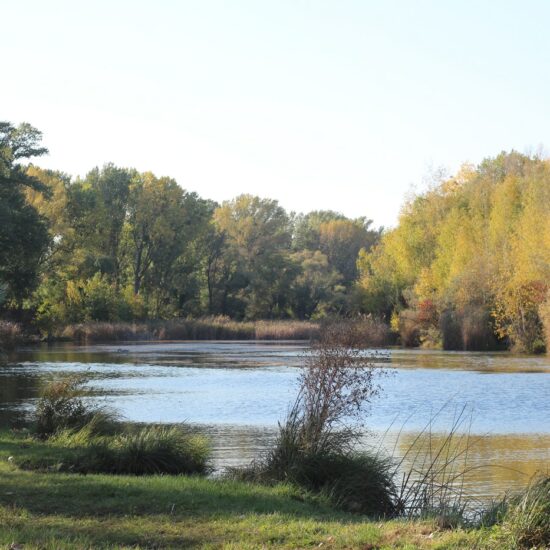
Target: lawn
[50,510]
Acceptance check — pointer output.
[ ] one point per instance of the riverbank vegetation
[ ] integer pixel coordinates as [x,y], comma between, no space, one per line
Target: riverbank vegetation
[81,437]
[467,266]
[315,486]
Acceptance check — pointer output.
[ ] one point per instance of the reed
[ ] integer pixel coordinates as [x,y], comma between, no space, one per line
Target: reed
[206,328]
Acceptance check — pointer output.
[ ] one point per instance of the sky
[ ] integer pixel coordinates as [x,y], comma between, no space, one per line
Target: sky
[343,105]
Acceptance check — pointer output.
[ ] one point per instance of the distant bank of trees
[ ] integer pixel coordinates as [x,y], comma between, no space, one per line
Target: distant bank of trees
[124,245]
[467,267]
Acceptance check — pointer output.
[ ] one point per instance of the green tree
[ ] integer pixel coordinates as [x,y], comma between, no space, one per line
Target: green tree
[24,238]
[257,235]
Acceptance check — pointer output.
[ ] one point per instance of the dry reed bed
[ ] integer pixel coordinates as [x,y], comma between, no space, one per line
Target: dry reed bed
[211,328]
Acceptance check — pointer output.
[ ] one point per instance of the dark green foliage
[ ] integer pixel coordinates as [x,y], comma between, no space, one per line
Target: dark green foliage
[10,335]
[24,236]
[353,481]
[156,449]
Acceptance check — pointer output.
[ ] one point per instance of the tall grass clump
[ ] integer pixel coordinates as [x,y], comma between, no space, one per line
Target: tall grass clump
[157,449]
[430,475]
[525,520]
[63,405]
[315,446]
[144,450]
[91,439]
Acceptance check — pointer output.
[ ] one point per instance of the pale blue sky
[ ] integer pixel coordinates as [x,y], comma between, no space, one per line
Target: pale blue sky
[318,104]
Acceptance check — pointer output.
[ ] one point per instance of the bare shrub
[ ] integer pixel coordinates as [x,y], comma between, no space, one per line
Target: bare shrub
[315,446]
[372,332]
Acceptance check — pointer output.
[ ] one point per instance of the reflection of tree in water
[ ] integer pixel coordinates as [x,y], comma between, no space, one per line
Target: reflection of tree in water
[15,389]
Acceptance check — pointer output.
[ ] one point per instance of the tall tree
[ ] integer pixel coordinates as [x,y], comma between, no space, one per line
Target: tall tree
[257,233]
[24,238]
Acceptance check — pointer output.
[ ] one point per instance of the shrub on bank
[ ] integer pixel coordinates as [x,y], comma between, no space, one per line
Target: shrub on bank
[62,405]
[544,313]
[88,439]
[315,444]
[141,451]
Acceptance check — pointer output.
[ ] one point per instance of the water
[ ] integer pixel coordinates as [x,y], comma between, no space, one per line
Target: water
[238,391]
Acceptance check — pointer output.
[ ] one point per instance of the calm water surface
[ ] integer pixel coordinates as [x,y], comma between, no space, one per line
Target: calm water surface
[238,392]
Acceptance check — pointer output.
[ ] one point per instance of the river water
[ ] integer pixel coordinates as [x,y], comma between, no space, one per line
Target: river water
[237,391]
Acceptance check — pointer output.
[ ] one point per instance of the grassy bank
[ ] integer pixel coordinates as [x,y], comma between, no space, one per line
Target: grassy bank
[51,510]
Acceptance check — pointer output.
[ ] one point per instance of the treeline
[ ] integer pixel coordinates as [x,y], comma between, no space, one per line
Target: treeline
[468,266]
[120,245]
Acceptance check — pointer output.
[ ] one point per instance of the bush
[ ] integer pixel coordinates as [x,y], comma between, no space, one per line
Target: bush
[62,405]
[409,328]
[156,450]
[355,482]
[315,445]
[470,329]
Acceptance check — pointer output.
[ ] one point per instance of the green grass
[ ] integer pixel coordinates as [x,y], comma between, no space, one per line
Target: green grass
[50,510]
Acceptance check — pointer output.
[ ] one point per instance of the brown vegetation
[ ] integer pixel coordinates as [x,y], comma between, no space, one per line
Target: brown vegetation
[10,334]
[544,313]
[370,331]
[206,328]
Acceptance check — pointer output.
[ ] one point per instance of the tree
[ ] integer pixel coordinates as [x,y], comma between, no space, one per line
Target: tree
[314,285]
[163,223]
[258,236]
[24,236]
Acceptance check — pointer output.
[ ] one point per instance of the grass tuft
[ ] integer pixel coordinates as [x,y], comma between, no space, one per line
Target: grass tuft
[525,520]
